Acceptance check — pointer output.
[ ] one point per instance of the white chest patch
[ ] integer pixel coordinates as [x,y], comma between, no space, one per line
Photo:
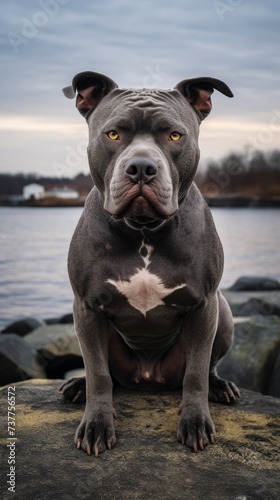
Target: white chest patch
[144,290]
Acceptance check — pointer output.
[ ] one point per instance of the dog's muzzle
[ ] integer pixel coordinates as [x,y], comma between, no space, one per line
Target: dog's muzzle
[140,211]
[141,191]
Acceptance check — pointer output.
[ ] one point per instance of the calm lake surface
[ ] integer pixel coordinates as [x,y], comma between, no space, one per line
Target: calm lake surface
[34,244]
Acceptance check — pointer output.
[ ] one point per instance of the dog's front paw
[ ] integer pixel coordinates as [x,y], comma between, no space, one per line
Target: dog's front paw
[96,431]
[195,428]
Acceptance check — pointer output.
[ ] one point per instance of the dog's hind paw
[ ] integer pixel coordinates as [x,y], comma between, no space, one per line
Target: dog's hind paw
[74,390]
[221,391]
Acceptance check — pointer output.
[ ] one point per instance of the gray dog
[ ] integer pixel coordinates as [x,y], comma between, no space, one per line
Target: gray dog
[145,260]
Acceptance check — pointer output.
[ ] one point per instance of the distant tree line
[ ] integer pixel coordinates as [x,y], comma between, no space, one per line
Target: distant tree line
[12,184]
[247,173]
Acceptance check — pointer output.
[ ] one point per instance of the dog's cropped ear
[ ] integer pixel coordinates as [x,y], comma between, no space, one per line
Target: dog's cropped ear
[198,92]
[91,88]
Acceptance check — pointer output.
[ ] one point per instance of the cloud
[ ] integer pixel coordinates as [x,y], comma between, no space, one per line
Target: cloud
[35,124]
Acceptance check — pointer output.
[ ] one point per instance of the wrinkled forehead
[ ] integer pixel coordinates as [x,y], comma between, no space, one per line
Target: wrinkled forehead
[146,97]
[158,107]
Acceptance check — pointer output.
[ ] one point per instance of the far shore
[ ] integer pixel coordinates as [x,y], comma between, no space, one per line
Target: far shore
[239,201]
[223,201]
[47,202]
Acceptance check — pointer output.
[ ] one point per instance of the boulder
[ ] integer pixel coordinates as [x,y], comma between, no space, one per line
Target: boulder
[23,326]
[250,283]
[67,319]
[250,362]
[18,360]
[274,383]
[52,321]
[147,461]
[252,303]
[58,348]
[76,373]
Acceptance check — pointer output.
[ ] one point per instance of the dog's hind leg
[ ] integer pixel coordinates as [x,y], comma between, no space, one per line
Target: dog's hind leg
[221,391]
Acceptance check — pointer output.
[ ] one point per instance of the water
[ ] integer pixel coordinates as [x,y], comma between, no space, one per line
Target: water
[34,246]
[251,242]
[33,263]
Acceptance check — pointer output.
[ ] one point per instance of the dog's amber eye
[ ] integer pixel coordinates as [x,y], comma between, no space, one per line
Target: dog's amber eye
[113,135]
[175,136]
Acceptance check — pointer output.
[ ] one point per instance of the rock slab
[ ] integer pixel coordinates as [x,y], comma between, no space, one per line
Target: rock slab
[255,283]
[251,362]
[18,360]
[147,461]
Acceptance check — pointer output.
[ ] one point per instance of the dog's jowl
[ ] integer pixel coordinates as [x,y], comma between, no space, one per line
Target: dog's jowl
[145,260]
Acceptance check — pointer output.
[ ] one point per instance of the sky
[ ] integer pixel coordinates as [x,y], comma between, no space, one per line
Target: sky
[155,43]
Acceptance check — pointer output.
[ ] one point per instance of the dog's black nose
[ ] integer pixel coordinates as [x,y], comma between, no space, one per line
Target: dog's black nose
[141,169]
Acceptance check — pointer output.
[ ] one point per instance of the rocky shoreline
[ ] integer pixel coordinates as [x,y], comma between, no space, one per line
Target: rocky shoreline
[35,348]
[241,201]
[147,461]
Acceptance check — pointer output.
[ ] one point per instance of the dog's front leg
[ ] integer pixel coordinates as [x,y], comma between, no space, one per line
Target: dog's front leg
[96,430]
[196,428]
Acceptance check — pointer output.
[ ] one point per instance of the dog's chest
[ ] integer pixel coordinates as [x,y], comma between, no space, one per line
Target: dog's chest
[143,289]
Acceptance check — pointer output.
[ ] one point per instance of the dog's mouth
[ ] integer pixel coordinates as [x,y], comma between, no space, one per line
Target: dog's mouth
[140,223]
[141,213]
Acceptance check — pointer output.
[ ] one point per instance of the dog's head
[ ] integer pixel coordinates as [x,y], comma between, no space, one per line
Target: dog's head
[143,144]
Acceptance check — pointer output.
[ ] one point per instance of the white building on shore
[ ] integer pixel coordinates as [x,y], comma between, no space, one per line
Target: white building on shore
[33,191]
[65,193]
[36,192]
